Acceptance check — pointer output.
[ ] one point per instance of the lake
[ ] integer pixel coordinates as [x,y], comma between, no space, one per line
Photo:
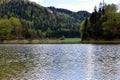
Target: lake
[59,62]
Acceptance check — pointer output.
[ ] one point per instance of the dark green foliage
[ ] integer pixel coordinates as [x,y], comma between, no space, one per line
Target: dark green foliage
[102,25]
[30,21]
[73,20]
[61,10]
[78,16]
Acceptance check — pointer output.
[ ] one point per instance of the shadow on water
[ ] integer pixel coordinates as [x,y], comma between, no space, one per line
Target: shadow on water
[14,60]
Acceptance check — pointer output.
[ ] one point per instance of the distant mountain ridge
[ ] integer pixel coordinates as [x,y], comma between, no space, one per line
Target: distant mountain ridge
[80,15]
[61,10]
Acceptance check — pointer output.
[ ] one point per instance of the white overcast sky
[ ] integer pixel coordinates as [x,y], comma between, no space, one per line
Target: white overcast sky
[74,5]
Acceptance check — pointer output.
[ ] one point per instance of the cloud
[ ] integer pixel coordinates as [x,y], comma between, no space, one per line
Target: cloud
[74,7]
[112,1]
[78,5]
[87,5]
[37,1]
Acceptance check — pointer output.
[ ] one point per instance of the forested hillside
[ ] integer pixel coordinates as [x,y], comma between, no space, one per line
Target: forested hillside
[103,24]
[78,16]
[29,20]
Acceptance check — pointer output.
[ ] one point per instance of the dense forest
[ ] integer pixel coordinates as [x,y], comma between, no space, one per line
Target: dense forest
[22,19]
[103,24]
[78,16]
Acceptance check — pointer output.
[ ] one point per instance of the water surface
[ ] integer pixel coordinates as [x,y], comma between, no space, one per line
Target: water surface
[59,62]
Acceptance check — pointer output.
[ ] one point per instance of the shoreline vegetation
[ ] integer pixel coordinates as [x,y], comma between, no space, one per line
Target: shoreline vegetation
[102,27]
[34,24]
[101,42]
[44,41]
[22,19]
[59,41]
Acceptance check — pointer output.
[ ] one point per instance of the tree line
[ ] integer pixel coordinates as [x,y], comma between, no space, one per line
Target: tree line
[28,20]
[103,24]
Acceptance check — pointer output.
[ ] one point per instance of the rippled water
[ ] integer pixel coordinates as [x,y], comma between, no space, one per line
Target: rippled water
[60,62]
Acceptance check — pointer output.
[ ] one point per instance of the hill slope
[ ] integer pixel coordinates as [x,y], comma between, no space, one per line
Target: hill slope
[79,16]
[30,20]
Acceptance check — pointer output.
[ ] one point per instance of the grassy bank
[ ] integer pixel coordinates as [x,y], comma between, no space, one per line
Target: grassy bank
[71,40]
[35,41]
[58,41]
[43,41]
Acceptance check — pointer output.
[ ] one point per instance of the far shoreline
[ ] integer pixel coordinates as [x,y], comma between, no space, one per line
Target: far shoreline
[58,41]
[101,42]
[43,41]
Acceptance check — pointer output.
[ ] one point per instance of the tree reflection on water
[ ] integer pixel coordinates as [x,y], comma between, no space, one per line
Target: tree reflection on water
[14,61]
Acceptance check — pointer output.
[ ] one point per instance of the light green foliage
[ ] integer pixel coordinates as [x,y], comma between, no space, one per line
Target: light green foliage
[72,40]
[15,22]
[82,25]
[5,28]
[16,27]
[110,9]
